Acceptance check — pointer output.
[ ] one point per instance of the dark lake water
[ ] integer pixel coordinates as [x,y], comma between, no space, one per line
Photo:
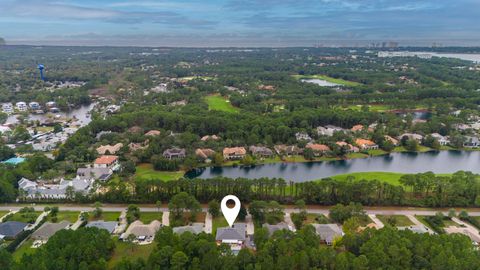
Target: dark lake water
[437,162]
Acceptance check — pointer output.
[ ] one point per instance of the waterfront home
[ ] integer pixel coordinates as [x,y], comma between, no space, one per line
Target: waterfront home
[350,148]
[109,149]
[153,133]
[7,108]
[328,232]
[366,144]
[34,105]
[260,151]
[318,149]
[48,229]
[102,174]
[277,227]
[144,233]
[195,228]
[471,142]
[234,236]
[33,190]
[394,141]
[411,136]
[174,153]
[234,153]
[287,150]
[21,106]
[210,137]
[105,225]
[303,136]
[11,229]
[442,140]
[205,154]
[328,130]
[107,161]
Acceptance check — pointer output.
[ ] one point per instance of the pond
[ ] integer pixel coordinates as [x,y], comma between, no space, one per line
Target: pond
[320,82]
[437,162]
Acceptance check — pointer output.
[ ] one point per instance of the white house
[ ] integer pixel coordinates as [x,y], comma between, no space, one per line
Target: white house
[7,108]
[21,106]
[442,140]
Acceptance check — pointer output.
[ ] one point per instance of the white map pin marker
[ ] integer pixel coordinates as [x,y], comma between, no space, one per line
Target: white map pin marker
[230,214]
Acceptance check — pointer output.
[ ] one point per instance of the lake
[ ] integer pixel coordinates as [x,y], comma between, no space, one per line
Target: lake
[437,162]
[320,82]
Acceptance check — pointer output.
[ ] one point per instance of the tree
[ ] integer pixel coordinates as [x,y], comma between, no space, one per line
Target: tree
[159,205]
[180,203]
[351,225]
[308,154]
[133,213]
[218,159]
[411,145]
[214,208]
[97,212]
[130,240]
[179,261]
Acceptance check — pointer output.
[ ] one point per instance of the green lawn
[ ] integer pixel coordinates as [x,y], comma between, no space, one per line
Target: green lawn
[316,218]
[328,79]
[391,178]
[25,248]
[3,213]
[125,250]
[146,172]
[18,217]
[401,220]
[106,216]
[421,148]
[71,216]
[219,103]
[147,217]
[377,152]
[372,108]
[218,222]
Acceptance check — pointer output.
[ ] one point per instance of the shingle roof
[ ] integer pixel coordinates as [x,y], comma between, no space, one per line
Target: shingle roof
[195,228]
[237,232]
[11,228]
[48,229]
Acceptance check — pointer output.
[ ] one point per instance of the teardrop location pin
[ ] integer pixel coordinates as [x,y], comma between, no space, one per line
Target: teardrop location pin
[230,214]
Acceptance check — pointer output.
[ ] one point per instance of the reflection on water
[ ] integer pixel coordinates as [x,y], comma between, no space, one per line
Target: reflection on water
[435,161]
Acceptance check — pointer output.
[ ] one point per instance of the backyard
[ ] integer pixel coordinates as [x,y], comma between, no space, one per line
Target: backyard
[145,171]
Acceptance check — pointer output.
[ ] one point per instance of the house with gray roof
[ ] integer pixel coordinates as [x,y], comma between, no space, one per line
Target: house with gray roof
[234,236]
[174,153]
[11,229]
[106,225]
[195,228]
[102,174]
[328,232]
[260,151]
[277,227]
[471,142]
[53,191]
[48,229]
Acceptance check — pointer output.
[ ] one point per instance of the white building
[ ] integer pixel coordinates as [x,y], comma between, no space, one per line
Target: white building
[7,108]
[302,136]
[442,140]
[21,106]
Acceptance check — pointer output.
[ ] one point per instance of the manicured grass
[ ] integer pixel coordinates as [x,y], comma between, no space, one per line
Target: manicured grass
[391,178]
[70,216]
[125,250]
[219,103]
[316,218]
[205,78]
[328,79]
[18,217]
[25,248]
[218,222]
[372,108]
[106,216]
[146,172]
[377,152]
[423,221]
[147,217]
[401,220]
[3,213]
[421,149]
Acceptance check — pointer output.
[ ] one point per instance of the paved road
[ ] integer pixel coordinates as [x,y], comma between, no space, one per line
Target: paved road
[312,209]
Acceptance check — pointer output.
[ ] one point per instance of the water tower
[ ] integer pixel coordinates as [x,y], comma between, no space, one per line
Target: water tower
[41,67]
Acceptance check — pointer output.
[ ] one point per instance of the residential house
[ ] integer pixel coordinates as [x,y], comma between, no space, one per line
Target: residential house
[33,190]
[234,153]
[105,225]
[5,129]
[261,151]
[303,136]
[366,144]
[48,229]
[411,136]
[277,227]
[142,232]
[350,148]
[471,142]
[288,150]
[136,146]
[328,232]
[11,229]
[442,140]
[195,228]
[153,133]
[205,154]
[135,129]
[102,174]
[51,104]
[328,130]
[394,141]
[7,108]
[109,149]
[210,137]
[107,161]
[174,153]
[357,128]
[318,149]
[21,106]
[34,106]
[234,236]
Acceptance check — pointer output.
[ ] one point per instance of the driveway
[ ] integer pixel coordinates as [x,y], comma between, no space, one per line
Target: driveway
[166,218]
[208,223]
[378,223]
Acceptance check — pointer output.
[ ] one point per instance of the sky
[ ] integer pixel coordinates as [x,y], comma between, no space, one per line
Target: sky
[239,23]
